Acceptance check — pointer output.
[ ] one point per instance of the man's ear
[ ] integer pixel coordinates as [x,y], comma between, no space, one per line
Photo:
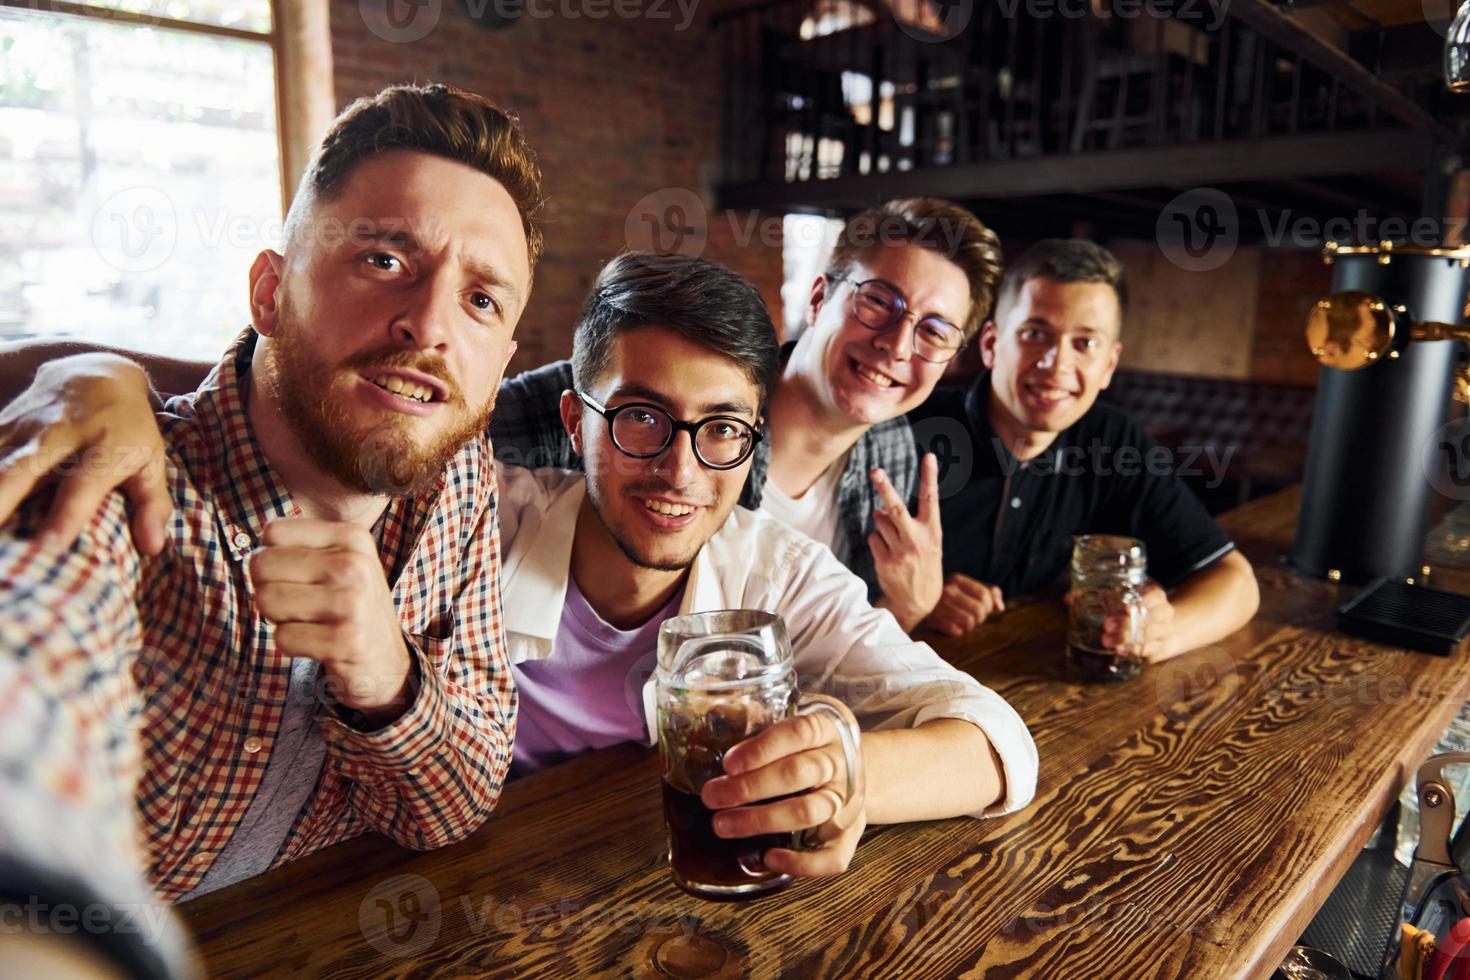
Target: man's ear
[265,285]
[818,297]
[571,418]
[1107,378]
[989,333]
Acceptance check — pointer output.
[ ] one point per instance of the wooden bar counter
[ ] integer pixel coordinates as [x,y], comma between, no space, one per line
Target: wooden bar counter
[1186,824]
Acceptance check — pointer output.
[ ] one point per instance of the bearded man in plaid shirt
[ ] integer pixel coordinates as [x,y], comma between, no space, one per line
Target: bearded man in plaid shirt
[317,650]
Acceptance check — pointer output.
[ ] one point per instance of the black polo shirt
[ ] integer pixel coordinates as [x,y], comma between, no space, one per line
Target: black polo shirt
[1010,524]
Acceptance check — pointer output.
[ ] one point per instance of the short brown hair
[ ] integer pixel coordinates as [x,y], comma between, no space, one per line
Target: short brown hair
[940,226]
[436,119]
[1066,260]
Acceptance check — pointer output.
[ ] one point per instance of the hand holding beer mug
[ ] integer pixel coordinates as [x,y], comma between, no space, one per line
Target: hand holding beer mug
[727,679]
[1108,619]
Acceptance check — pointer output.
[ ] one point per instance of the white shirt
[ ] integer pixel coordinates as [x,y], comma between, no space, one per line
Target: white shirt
[814,513]
[842,646]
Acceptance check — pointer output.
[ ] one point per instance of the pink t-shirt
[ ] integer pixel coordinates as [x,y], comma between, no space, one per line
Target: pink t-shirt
[589,693]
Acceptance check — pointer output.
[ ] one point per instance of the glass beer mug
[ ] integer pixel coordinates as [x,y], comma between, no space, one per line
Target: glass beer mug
[1108,575]
[723,677]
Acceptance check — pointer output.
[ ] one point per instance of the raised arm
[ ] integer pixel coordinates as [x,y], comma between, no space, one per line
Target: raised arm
[20,361]
[86,424]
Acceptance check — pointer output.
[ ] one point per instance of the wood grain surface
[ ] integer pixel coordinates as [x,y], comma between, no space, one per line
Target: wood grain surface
[1186,824]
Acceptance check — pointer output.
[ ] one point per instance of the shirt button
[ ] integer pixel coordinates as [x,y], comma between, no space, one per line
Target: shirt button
[252,745]
[203,857]
[1015,503]
[241,540]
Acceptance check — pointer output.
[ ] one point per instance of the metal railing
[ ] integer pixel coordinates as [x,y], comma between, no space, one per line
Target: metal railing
[822,89]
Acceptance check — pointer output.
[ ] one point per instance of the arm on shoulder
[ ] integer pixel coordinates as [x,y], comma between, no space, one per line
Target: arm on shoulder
[20,361]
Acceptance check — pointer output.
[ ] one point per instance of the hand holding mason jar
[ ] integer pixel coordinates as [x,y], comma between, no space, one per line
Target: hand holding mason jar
[1107,625]
[761,784]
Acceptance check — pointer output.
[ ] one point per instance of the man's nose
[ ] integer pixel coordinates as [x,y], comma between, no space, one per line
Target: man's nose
[678,464]
[1057,358]
[425,324]
[897,340]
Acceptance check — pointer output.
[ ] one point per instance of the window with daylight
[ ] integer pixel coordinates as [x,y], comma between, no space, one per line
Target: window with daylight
[140,169]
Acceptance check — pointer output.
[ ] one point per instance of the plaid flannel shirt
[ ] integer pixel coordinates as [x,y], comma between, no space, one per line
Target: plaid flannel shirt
[83,626]
[527,431]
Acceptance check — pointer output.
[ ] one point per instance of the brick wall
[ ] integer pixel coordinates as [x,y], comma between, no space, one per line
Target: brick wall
[617,108]
[1291,282]
[1243,320]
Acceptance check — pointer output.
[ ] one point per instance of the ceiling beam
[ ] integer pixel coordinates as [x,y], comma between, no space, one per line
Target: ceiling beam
[1190,165]
[1292,33]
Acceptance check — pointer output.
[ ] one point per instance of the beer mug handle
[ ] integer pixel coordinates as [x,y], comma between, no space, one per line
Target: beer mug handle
[847,732]
[1137,622]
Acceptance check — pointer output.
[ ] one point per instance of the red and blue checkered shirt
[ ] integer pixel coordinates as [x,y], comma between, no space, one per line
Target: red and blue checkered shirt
[107,644]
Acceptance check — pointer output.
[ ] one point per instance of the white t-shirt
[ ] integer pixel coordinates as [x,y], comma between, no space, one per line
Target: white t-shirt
[814,513]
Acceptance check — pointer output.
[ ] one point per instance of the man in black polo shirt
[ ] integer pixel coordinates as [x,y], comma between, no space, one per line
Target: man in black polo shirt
[1032,459]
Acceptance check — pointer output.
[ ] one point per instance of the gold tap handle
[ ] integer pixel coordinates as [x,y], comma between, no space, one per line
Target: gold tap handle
[1432,330]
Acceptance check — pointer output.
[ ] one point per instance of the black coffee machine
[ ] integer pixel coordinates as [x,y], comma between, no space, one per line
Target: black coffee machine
[1393,381]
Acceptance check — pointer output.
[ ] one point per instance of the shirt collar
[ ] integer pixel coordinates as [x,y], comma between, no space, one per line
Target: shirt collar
[703,592]
[249,493]
[535,585]
[536,577]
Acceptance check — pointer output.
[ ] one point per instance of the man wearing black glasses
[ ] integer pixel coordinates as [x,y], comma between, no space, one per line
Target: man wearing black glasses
[673,362]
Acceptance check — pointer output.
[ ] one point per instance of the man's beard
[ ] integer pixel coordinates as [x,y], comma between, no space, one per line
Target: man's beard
[385,459]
